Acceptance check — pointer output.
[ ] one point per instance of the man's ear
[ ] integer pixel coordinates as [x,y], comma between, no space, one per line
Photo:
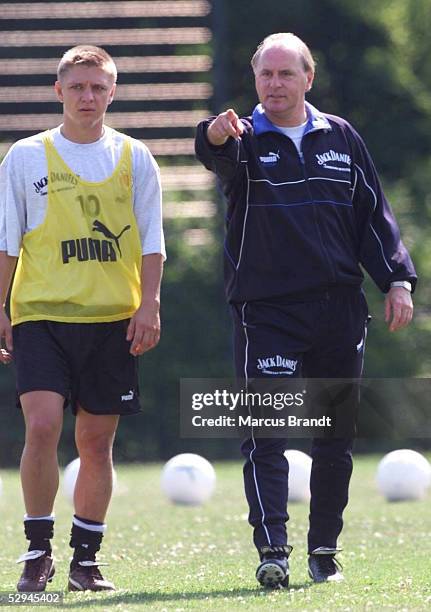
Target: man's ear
[58,91]
[112,93]
[310,79]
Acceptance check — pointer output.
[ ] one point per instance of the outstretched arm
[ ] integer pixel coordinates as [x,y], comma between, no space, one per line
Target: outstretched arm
[220,146]
[7,267]
[144,327]
[224,126]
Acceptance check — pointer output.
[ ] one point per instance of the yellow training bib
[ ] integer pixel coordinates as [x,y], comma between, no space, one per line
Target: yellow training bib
[83,263]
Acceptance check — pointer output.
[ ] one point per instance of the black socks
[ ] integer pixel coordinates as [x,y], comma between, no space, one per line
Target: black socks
[86,538]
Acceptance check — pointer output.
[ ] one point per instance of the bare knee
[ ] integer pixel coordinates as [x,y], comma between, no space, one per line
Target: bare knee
[42,432]
[94,448]
[43,415]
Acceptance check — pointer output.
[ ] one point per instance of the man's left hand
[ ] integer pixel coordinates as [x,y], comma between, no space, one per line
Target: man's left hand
[398,308]
[144,328]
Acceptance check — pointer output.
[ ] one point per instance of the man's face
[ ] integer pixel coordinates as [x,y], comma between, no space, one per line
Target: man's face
[281,83]
[86,92]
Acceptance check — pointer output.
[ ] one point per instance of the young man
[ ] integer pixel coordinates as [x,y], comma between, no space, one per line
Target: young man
[305,210]
[81,210]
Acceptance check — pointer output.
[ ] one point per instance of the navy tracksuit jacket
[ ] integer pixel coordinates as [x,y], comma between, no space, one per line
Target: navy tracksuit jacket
[299,230]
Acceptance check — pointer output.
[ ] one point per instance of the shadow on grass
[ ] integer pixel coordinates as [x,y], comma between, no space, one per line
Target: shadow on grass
[159,596]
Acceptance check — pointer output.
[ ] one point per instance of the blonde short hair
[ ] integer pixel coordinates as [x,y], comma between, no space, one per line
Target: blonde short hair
[289,40]
[87,55]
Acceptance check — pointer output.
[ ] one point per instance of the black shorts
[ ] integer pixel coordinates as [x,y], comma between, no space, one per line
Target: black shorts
[89,364]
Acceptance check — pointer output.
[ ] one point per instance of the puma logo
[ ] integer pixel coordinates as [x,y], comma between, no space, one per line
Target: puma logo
[100,227]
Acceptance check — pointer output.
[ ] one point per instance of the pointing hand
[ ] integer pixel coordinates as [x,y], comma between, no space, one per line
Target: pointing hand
[224,126]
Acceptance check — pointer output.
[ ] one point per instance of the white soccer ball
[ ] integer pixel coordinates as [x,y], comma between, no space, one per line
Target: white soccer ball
[299,475]
[70,475]
[188,479]
[403,475]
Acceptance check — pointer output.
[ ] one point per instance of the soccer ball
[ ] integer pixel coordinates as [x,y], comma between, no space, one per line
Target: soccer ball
[299,475]
[188,479]
[403,475]
[71,474]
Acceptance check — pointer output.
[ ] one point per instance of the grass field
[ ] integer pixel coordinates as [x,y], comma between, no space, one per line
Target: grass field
[165,557]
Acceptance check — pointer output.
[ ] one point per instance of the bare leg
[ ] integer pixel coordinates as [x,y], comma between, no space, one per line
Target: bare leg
[43,415]
[94,436]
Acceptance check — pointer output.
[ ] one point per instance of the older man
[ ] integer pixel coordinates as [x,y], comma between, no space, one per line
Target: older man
[305,212]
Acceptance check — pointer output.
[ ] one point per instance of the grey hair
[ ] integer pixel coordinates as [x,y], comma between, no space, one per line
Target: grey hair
[289,40]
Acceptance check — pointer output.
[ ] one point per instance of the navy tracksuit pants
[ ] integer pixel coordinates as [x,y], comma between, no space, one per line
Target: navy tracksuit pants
[322,336]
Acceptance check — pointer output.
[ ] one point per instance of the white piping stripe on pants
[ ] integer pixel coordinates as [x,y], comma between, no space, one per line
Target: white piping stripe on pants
[244,326]
[363,346]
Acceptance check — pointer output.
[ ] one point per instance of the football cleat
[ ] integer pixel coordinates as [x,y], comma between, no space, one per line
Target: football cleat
[38,570]
[273,570]
[86,576]
[323,566]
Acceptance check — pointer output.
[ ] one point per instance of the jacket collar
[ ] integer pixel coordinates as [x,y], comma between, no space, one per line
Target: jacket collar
[316,120]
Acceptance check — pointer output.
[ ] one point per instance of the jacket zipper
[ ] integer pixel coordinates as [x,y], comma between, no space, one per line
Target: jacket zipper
[331,277]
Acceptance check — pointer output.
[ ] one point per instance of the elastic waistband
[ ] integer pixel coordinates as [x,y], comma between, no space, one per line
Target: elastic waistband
[315,295]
